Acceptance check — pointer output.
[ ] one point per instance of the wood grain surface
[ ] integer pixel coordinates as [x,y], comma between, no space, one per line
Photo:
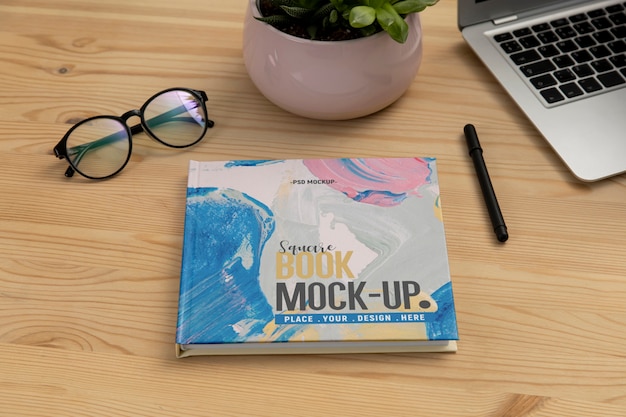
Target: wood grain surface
[89,271]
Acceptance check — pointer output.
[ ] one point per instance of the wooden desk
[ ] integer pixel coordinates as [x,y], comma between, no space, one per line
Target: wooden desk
[89,270]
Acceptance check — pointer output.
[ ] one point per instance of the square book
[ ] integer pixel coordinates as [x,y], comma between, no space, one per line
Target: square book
[314,256]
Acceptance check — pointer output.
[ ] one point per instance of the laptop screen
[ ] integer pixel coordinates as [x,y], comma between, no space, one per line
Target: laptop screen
[476,11]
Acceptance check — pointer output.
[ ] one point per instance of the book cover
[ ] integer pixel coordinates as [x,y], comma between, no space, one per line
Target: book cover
[314,256]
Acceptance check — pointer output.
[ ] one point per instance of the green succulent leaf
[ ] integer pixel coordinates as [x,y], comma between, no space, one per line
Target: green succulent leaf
[392,23]
[368,30]
[310,4]
[339,5]
[324,12]
[362,16]
[405,7]
[333,17]
[290,3]
[375,4]
[297,12]
[275,20]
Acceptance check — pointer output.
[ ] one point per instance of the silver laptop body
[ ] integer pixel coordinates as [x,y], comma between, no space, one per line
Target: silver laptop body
[584,117]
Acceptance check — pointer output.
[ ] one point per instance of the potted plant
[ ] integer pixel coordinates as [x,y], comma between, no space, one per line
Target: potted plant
[333,59]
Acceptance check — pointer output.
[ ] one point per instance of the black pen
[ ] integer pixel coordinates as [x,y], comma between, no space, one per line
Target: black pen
[476,152]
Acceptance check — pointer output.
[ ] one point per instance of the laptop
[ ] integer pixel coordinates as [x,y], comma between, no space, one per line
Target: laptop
[564,64]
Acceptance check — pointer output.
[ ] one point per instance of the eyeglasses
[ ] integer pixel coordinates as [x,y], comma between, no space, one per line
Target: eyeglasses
[100,147]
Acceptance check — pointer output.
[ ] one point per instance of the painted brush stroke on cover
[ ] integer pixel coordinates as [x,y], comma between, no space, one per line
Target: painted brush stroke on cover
[383,182]
[234,227]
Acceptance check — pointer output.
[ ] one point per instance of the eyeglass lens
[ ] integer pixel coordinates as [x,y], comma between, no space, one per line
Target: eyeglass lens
[176,118]
[99,147]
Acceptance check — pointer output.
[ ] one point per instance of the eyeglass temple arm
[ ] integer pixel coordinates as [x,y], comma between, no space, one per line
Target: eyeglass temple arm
[69,172]
[81,150]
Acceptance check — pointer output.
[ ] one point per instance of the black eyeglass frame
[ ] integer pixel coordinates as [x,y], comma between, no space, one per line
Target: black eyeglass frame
[61,152]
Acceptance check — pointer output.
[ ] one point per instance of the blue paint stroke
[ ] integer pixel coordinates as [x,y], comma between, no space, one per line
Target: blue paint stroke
[443,326]
[253,163]
[378,197]
[221,299]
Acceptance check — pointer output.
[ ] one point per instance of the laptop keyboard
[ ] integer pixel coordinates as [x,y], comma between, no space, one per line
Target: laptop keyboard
[571,57]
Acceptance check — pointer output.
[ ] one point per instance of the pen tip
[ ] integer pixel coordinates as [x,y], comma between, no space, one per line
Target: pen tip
[502,234]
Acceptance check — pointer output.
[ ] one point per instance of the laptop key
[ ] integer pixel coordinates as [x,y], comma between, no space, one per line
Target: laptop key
[566,46]
[525,57]
[571,90]
[584,27]
[618,60]
[619,32]
[578,18]
[600,51]
[529,42]
[590,85]
[552,95]
[540,27]
[564,75]
[548,51]
[563,61]
[601,65]
[522,32]
[543,81]
[559,22]
[602,23]
[503,37]
[583,70]
[618,18]
[585,41]
[511,46]
[603,36]
[547,37]
[537,68]
[611,79]
[596,13]
[565,32]
[618,46]
[581,56]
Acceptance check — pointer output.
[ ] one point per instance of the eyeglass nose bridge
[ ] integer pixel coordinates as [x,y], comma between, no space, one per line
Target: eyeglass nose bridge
[130,114]
[138,128]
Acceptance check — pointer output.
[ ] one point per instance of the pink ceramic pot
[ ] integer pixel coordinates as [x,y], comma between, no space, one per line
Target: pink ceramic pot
[330,80]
